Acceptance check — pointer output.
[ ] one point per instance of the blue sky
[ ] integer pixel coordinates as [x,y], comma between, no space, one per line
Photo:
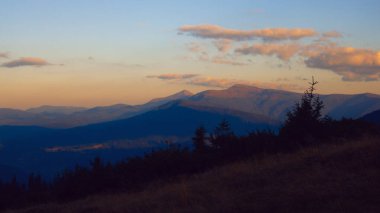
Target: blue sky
[113,46]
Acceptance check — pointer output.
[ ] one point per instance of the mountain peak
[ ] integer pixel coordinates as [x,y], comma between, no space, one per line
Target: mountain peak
[179,95]
[184,93]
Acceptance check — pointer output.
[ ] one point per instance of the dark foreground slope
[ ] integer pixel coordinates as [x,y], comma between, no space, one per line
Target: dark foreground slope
[338,177]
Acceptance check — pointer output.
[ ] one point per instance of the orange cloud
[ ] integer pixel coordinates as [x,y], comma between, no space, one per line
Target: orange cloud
[284,33]
[217,32]
[351,63]
[27,61]
[281,51]
[172,76]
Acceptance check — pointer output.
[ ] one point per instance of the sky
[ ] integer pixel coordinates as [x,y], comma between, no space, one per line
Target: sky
[103,52]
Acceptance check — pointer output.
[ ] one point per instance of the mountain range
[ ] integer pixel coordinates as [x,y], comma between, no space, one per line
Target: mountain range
[273,104]
[48,139]
[66,116]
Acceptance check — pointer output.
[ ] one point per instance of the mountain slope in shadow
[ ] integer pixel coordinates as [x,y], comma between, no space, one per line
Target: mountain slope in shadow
[373,117]
[51,150]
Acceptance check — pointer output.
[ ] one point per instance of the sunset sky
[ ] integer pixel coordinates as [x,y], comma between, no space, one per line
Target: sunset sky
[102,52]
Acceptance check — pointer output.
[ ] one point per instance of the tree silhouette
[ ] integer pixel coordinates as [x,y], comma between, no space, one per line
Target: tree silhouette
[304,121]
[37,188]
[199,140]
[223,136]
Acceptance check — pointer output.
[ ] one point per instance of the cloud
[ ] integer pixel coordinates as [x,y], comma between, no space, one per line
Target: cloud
[27,61]
[350,63]
[225,60]
[195,79]
[207,81]
[332,34]
[4,55]
[281,51]
[285,33]
[217,32]
[172,76]
[219,59]
[223,45]
[194,47]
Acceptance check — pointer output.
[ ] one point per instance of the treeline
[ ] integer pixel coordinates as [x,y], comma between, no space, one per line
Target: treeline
[304,126]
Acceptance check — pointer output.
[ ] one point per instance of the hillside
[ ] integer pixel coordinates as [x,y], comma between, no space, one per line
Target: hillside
[373,117]
[337,177]
[29,147]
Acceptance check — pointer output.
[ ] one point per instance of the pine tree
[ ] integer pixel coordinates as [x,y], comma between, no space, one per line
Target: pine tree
[304,121]
[199,140]
[223,135]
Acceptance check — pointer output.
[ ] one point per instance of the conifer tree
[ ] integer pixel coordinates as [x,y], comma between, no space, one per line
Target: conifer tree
[223,135]
[304,121]
[199,140]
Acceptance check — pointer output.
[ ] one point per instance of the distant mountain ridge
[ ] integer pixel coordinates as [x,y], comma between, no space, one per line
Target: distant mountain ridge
[276,103]
[47,109]
[270,103]
[68,117]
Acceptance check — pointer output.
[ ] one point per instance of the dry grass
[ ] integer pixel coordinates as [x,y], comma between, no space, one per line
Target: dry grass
[331,178]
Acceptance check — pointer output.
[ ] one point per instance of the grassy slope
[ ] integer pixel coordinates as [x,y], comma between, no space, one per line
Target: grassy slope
[331,178]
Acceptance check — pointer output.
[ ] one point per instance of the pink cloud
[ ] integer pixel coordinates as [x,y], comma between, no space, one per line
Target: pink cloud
[281,51]
[350,63]
[207,81]
[217,32]
[27,61]
[172,76]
